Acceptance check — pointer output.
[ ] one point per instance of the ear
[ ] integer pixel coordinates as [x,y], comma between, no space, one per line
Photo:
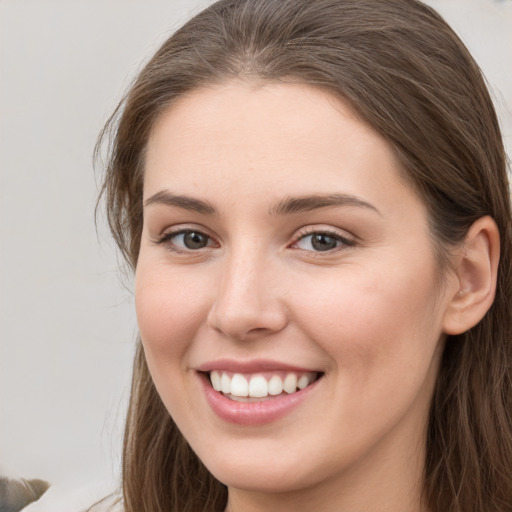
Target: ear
[475,269]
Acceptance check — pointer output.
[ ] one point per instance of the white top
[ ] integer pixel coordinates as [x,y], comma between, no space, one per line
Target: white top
[92,498]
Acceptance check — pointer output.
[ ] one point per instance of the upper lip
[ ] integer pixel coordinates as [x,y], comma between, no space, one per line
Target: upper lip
[252,366]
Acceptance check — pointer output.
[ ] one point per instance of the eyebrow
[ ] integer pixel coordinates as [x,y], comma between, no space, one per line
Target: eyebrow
[313,202]
[287,206]
[181,201]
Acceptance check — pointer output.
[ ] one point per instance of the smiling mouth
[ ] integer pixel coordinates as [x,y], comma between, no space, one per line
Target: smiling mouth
[259,387]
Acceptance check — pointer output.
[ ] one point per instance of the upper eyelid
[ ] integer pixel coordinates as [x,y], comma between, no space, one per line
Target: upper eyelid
[166,235]
[183,228]
[332,231]
[345,240]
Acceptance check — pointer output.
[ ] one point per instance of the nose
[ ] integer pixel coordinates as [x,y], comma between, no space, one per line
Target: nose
[248,303]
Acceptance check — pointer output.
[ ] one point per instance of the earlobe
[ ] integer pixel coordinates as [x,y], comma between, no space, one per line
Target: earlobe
[476,268]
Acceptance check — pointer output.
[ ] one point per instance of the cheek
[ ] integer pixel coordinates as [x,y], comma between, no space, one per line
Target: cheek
[170,309]
[381,333]
[380,320]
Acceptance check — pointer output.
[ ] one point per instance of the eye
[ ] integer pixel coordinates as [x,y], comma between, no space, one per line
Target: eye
[322,242]
[186,240]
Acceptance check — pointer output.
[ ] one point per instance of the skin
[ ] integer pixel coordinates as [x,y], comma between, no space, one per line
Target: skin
[369,313]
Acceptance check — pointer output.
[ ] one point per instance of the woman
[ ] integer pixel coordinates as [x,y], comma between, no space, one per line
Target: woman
[314,200]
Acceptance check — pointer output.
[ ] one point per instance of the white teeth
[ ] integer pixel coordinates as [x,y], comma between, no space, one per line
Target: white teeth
[225,384]
[275,385]
[257,386]
[290,383]
[239,385]
[303,382]
[215,378]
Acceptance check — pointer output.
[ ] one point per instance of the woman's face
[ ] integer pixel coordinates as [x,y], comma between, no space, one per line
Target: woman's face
[281,247]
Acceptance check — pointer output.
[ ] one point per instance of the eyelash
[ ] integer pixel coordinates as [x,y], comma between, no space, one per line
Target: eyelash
[341,241]
[167,240]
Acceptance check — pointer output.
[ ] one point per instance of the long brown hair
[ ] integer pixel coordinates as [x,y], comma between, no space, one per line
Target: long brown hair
[410,77]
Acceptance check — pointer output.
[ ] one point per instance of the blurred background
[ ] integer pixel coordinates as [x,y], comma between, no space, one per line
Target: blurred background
[67,322]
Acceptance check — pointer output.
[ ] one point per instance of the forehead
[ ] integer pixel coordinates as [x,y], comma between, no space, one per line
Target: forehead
[282,137]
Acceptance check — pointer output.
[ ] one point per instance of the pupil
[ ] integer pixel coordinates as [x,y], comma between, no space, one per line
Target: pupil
[193,240]
[323,242]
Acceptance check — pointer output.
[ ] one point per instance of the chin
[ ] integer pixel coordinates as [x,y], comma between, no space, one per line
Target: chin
[260,471]
[260,477]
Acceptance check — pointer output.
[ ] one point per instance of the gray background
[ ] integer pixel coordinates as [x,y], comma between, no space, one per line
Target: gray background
[67,320]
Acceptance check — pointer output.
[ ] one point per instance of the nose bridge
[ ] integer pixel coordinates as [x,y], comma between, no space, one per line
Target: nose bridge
[247,301]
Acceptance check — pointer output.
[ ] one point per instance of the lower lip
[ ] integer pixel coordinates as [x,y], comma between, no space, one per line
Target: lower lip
[253,413]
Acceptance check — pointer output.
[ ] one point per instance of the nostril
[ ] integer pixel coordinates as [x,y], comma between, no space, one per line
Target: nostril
[247,325]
